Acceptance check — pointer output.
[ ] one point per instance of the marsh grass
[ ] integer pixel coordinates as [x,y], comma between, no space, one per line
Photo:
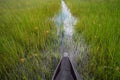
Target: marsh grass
[99,24]
[28,39]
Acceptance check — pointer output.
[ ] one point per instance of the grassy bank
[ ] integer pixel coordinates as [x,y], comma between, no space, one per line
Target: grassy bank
[99,23]
[27,39]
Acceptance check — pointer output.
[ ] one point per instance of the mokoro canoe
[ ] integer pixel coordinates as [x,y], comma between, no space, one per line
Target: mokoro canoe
[65,70]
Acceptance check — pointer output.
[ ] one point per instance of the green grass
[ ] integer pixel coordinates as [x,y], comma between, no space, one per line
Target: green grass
[99,23]
[27,39]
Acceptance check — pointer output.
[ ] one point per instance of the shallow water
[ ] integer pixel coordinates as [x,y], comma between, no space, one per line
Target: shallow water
[69,43]
[65,25]
[66,20]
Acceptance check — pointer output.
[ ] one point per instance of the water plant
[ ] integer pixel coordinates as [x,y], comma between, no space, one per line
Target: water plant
[99,24]
[27,39]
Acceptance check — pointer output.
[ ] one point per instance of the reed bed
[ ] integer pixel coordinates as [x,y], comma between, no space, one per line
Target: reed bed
[28,39]
[99,23]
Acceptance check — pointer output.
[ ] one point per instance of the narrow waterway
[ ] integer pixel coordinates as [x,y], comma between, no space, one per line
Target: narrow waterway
[65,25]
[70,43]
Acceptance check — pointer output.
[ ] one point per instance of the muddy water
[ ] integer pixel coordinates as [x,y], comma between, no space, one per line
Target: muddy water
[70,43]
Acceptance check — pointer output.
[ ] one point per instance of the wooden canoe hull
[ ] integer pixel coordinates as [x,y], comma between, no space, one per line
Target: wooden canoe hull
[65,70]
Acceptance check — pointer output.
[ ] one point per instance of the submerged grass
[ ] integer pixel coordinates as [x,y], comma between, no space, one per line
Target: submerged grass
[99,23]
[27,39]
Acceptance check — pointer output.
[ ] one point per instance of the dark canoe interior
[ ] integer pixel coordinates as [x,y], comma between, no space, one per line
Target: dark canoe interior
[65,70]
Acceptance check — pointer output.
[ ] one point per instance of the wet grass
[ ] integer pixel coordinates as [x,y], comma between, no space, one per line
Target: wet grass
[28,39]
[99,23]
